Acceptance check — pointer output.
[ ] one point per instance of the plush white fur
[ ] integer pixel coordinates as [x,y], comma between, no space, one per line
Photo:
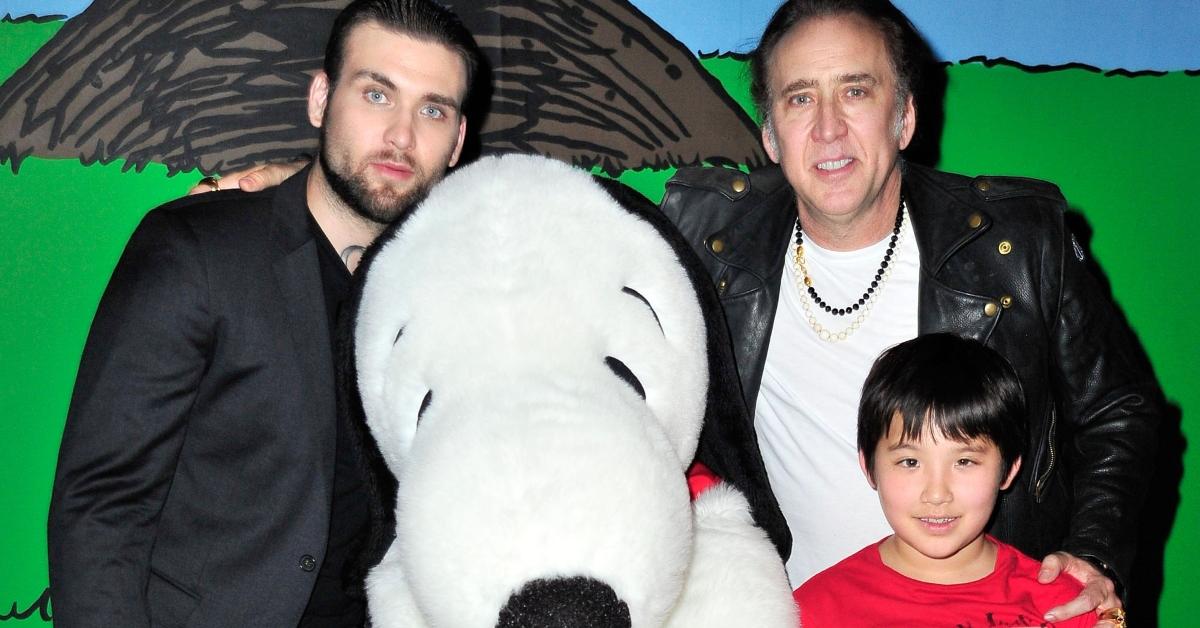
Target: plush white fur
[732,557]
[502,296]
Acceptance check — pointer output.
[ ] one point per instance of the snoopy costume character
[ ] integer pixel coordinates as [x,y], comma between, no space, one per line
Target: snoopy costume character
[535,362]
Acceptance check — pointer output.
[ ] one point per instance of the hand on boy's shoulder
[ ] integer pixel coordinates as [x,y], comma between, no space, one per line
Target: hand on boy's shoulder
[1098,591]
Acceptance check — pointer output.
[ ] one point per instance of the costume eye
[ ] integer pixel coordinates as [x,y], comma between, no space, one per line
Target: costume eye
[399,332]
[424,404]
[637,295]
[620,370]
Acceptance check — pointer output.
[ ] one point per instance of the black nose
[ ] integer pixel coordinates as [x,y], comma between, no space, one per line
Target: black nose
[576,602]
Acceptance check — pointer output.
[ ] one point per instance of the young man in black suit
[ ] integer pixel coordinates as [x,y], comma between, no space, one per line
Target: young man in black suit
[203,477]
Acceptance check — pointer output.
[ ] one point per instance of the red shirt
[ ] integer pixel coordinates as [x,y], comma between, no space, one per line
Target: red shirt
[862,591]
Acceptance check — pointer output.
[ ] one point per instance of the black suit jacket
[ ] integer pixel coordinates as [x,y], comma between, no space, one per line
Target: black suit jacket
[194,478]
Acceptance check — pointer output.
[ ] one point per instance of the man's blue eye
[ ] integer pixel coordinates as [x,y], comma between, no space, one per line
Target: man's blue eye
[376,96]
[431,112]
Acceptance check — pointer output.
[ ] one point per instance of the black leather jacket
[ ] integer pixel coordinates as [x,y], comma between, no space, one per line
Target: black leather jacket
[997,265]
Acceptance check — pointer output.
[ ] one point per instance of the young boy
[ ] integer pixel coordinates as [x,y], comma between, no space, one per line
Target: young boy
[940,434]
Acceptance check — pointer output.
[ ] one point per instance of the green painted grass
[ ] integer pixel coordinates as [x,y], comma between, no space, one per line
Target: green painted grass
[19,40]
[63,227]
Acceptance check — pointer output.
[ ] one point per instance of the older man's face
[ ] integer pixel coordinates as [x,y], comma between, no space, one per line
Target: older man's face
[833,113]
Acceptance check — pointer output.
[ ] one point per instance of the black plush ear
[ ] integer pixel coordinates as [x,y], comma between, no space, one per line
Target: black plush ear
[728,445]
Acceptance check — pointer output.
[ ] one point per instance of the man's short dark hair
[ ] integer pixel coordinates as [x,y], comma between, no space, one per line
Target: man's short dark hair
[424,20]
[961,388]
[906,50]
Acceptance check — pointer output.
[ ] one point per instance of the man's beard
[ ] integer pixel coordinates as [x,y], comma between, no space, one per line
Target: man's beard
[349,181]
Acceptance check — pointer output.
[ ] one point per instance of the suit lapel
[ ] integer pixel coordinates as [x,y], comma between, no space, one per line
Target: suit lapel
[298,278]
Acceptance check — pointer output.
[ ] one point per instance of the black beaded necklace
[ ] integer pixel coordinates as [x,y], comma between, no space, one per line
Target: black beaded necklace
[887,258]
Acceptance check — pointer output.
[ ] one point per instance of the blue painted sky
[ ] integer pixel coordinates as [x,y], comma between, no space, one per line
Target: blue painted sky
[1129,34]
[18,8]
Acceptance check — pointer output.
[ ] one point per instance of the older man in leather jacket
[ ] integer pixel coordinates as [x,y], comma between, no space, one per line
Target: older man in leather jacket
[992,261]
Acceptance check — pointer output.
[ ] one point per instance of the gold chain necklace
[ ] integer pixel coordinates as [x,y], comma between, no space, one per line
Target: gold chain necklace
[864,305]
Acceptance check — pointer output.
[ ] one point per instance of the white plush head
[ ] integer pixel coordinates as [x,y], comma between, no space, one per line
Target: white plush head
[532,362]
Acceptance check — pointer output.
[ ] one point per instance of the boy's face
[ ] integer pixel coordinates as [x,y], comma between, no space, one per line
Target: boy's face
[937,495]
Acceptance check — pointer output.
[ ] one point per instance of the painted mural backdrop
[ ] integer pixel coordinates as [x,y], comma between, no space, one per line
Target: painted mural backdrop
[109,107]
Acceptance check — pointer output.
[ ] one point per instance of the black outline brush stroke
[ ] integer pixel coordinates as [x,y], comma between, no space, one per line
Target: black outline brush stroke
[41,605]
[9,18]
[992,62]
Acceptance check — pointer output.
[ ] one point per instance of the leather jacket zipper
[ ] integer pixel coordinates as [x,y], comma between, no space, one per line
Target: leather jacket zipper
[1040,486]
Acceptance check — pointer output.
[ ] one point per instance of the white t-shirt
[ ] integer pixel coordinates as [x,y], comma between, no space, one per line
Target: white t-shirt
[807,409]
